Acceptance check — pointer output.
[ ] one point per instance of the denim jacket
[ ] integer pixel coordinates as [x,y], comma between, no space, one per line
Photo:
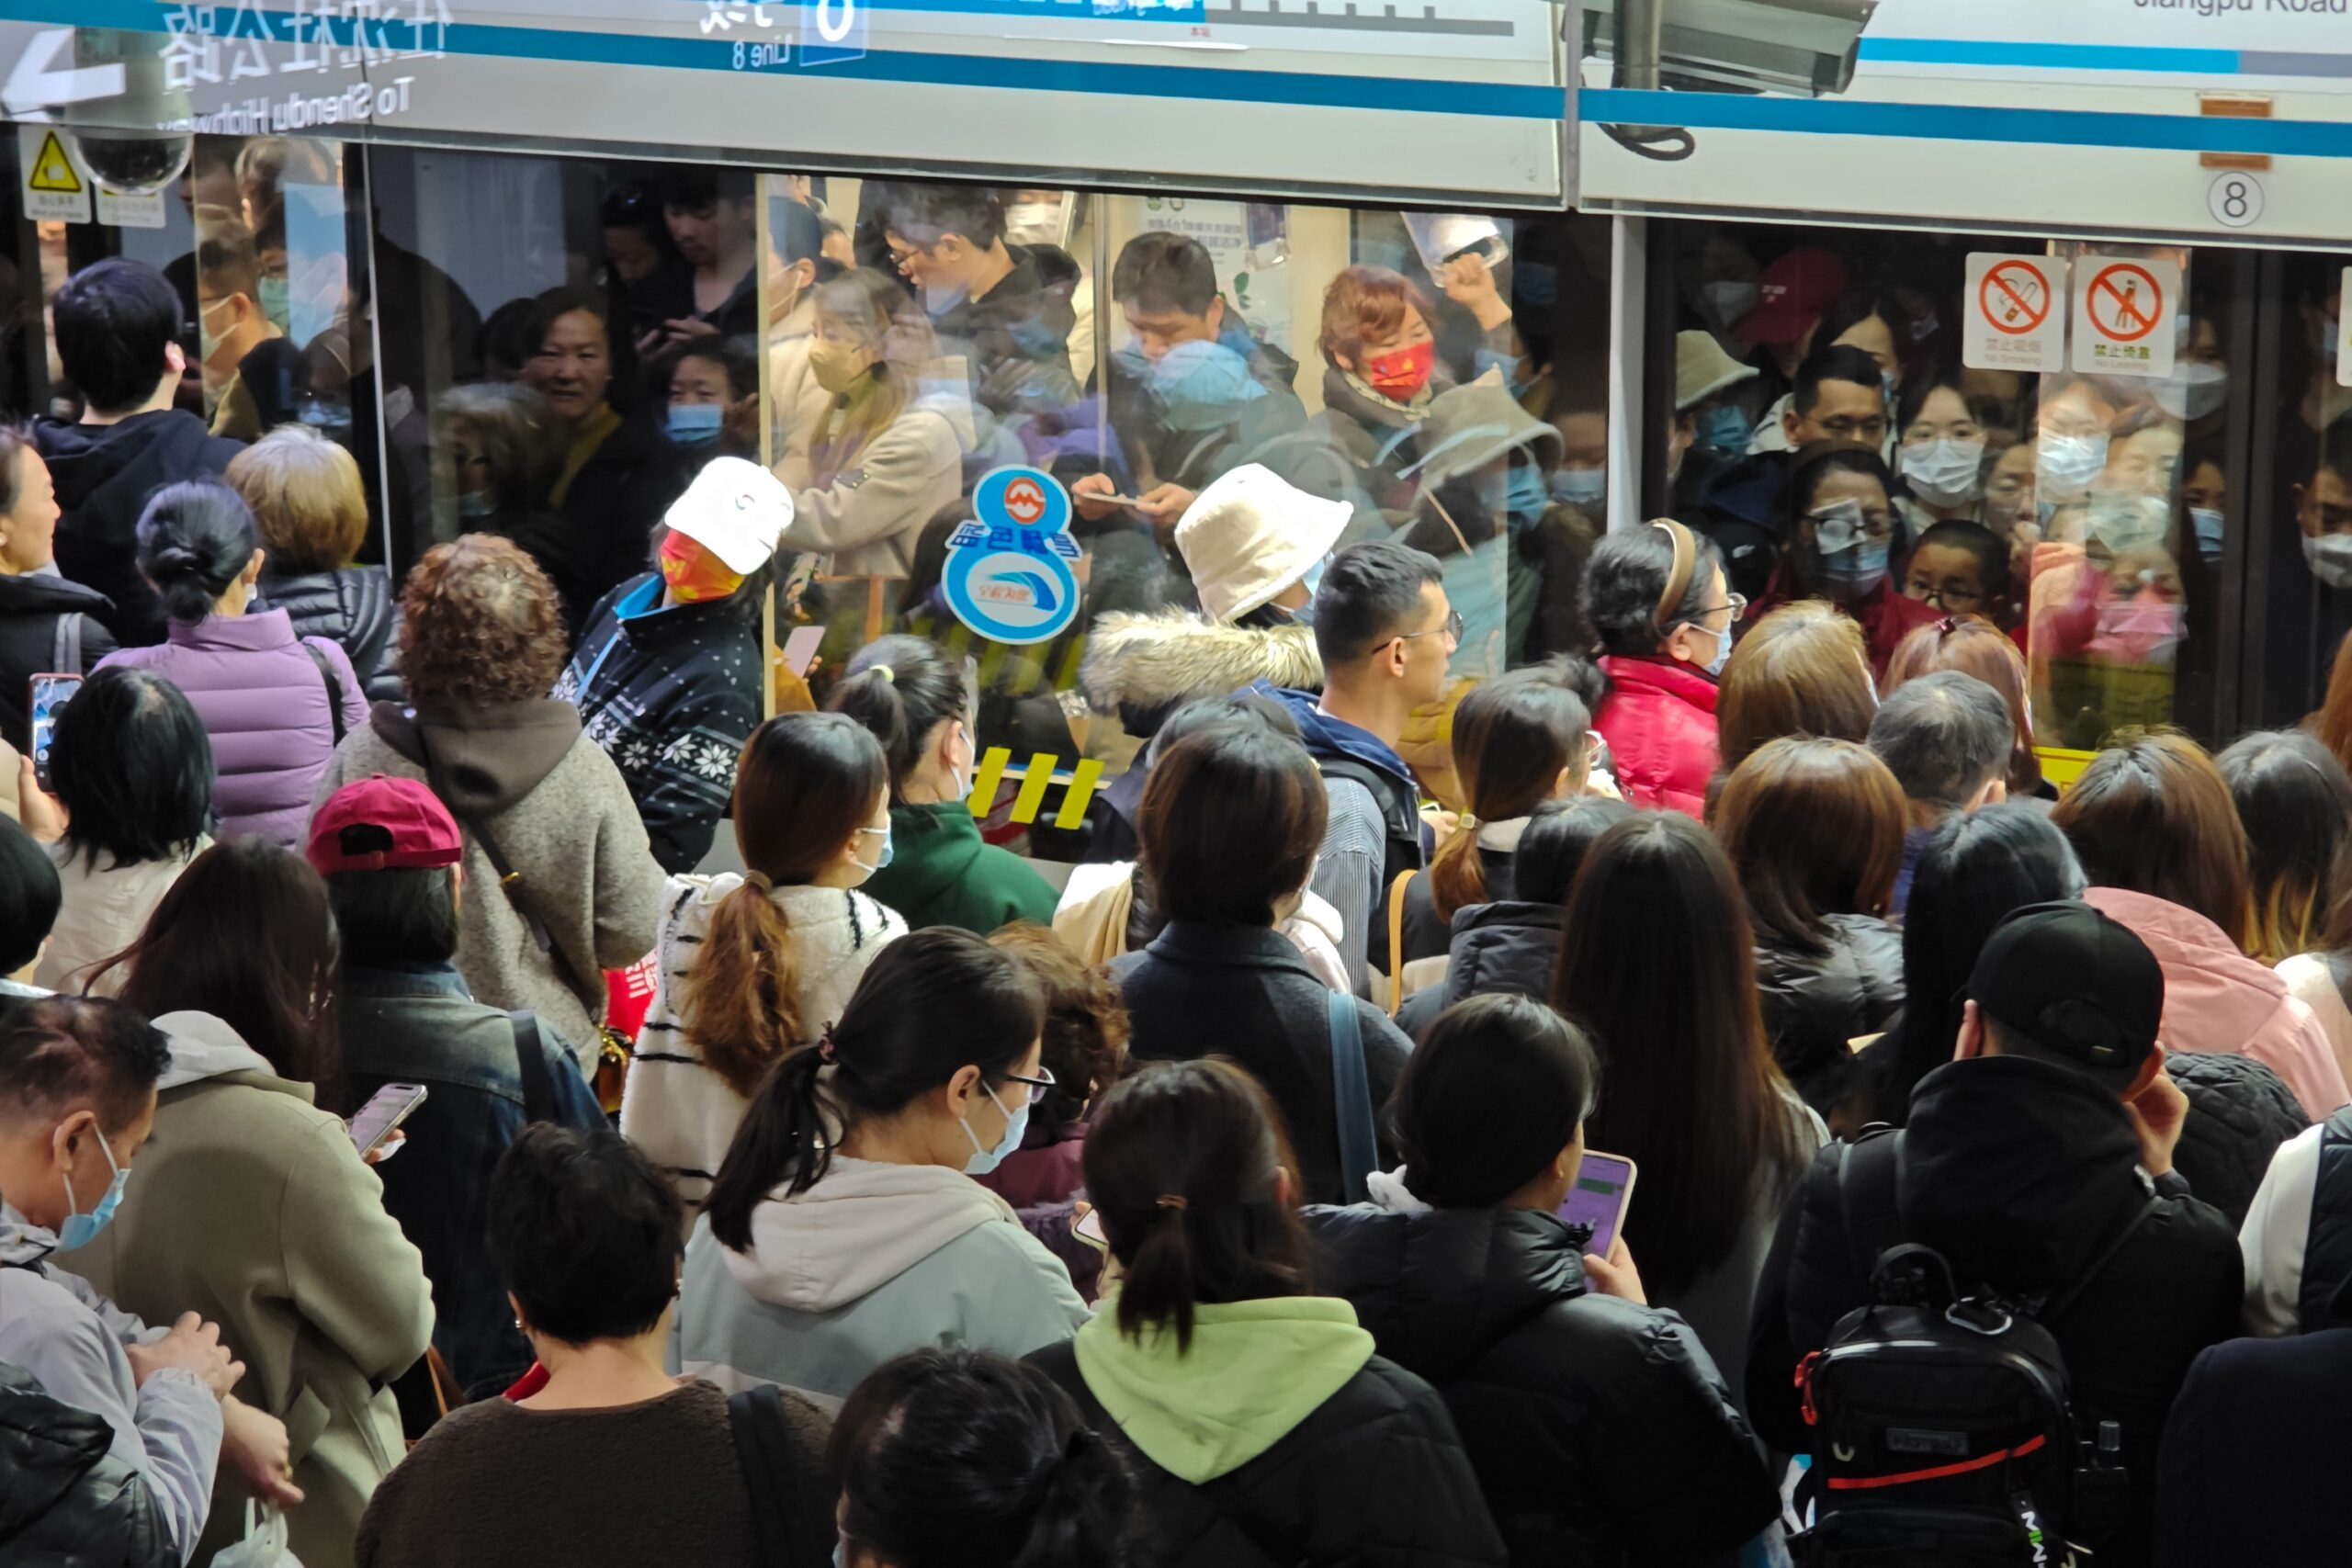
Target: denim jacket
[419,1024]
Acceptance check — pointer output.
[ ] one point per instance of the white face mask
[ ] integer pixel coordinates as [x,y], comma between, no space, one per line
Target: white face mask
[2067,464]
[1033,222]
[1943,472]
[1729,302]
[2330,558]
[2193,391]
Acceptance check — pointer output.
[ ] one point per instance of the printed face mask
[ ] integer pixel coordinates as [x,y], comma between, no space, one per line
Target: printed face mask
[1016,1122]
[1400,375]
[80,1229]
[1943,472]
[694,575]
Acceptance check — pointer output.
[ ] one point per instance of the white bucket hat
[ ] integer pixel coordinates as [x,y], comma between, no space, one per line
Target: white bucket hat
[1250,534]
[736,509]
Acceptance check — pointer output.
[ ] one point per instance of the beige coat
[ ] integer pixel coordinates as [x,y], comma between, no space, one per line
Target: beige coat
[250,1207]
[869,519]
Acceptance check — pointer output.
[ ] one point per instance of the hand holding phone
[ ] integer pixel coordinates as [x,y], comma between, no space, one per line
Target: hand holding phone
[46,698]
[386,1108]
[801,649]
[1599,1198]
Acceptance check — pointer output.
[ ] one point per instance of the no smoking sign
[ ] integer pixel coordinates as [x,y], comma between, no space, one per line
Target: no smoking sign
[2014,323]
[2124,315]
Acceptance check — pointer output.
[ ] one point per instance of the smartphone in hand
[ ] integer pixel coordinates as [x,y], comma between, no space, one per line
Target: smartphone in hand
[386,1108]
[1599,1199]
[46,697]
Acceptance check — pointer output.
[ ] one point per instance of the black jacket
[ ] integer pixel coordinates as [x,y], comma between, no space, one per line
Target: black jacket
[1600,1431]
[31,608]
[66,1498]
[671,695]
[352,607]
[2256,1453]
[1504,946]
[1244,992]
[1815,1003]
[104,474]
[2017,1171]
[616,501]
[2239,1113]
[1375,1478]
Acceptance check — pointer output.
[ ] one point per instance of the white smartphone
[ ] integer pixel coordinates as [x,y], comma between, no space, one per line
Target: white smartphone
[47,696]
[1090,1230]
[1603,1192]
[801,649]
[386,1108]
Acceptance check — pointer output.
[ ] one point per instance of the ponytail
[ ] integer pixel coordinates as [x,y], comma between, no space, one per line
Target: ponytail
[805,785]
[962,1458]
[742,1002]
[1181,1159]
[782,1136]
[901,688]
[1514,736]
[1081,1512]
[929,1005]
[194,540]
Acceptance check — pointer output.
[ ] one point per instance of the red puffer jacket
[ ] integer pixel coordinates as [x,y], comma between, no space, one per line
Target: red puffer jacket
[1659,721]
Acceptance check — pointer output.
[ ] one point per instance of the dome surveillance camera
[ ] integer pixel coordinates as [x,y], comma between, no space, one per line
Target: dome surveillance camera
[135,162]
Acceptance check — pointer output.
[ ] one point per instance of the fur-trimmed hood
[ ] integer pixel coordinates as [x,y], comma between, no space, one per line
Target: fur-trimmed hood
[1146,664]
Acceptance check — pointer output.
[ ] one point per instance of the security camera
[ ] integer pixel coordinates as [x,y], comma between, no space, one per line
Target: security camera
[111,87]
[133,162]
[1803,47]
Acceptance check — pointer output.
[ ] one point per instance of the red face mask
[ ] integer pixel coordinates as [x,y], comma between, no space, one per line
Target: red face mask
[1403,374]
[695,574]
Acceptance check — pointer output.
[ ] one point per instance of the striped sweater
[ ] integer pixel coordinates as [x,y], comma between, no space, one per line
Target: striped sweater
[677,1107]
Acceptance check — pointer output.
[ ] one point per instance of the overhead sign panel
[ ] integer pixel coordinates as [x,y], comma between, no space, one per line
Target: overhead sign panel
[1453,100]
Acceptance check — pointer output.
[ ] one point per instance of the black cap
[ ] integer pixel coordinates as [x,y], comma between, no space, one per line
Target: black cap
[2073,982]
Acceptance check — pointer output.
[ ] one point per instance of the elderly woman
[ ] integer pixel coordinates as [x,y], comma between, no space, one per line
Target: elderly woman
[560,882]
[305,492]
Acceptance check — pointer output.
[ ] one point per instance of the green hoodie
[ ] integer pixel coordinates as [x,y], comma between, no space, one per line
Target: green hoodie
[1256,1370]
[942,873]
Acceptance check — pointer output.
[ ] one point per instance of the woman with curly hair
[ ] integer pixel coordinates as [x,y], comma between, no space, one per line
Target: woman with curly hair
[560,883]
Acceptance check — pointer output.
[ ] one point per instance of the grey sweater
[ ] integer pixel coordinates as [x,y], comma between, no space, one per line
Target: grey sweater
[563,817]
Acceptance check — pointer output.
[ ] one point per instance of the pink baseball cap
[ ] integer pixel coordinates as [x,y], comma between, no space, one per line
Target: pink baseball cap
[413,830]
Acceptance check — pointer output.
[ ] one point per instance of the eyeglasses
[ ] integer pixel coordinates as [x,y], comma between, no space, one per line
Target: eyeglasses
[1452,628]
[1737,603]
[1037,1086]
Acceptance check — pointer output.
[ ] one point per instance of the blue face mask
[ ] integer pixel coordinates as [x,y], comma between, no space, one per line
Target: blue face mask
[277,302]
[1016,1122]
[80,1229]
[1724,429]
[1715,667]
[2207,523]
[889,849]
[1586,488]
[1857,568]
[694,424]
[1525,496]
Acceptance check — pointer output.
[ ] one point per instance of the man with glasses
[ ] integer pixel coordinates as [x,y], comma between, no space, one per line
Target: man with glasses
[1838,398]
[1386,633]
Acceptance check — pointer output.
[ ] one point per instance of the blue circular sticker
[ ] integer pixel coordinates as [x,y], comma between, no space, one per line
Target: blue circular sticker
[1009,575]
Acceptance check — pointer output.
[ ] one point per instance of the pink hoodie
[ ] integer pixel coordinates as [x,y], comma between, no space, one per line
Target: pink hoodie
[2216,999]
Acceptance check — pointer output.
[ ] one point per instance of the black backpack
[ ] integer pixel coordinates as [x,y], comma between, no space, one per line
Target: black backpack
[1943,1430]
